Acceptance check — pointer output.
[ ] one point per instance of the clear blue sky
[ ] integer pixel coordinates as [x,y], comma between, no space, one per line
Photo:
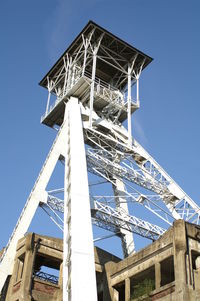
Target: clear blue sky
[35,33]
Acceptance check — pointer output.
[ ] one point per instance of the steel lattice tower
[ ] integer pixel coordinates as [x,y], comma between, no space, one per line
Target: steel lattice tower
[91,85]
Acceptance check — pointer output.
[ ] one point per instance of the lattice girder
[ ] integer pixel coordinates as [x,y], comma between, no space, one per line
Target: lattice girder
[112,219]
[136,166]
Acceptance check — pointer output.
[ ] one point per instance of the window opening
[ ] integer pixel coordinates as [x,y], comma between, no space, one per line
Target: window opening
[20,267]
[46,269]
[142,283]
[167,270]
[120,288]
[195,260]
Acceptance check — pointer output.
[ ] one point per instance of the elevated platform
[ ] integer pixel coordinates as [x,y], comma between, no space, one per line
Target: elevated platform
[107,100]
[99,69]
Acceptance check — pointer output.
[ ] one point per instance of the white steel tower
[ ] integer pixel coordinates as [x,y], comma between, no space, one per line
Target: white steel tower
[89,101]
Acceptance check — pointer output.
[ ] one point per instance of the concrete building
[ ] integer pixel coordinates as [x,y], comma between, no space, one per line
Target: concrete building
[37,273]
[167,269]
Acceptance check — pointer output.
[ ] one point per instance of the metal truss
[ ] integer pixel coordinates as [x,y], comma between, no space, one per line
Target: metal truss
[176,200]
[111,219]
[55,203]
[103,161]
[114,154]
[137,166]
[150,202]
[51,209]
[89,103]
[81,65]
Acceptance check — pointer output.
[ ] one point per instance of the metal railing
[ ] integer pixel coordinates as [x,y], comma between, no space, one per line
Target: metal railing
[46,277]
[102,89]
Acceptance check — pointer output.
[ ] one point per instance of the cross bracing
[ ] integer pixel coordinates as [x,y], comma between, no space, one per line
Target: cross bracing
[100,162]
[103,160]
[105,215]
[107,218]
[141,169]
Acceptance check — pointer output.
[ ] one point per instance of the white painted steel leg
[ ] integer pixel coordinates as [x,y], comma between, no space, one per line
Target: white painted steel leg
[69,79]
[66,72]
[122,206]
[49,96]
[137,92]
[129,106]
[79,280]
[92,86]
[37,195]
[48,101]
[85,57]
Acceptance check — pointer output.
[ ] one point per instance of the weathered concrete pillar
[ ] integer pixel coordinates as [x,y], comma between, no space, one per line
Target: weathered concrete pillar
[13,279]
[115,295]
[108,292]
[59,293]
[28,268]
[8,290]
[127,289]
[60,281]
[180,248]
[157,275]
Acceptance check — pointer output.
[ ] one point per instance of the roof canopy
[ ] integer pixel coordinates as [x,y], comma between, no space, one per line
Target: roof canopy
[113,57]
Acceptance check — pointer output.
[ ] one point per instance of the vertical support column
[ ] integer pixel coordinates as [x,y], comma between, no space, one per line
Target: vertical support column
[108,290]
[94,52]
[127,289]
[67,214]
[129,106]
[73,75]
[28,267]
[137,76]
[128,246]
[137,91]
[85,57]
[79,280]
[86,43]
[92,84]
[48,99]
[69,73]
[115,295]
[157,275]
[66,72]
[180,248]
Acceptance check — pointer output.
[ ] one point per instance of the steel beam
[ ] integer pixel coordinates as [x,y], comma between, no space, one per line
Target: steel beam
[37,195]
[77,241]
[106,215]
[128,246]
